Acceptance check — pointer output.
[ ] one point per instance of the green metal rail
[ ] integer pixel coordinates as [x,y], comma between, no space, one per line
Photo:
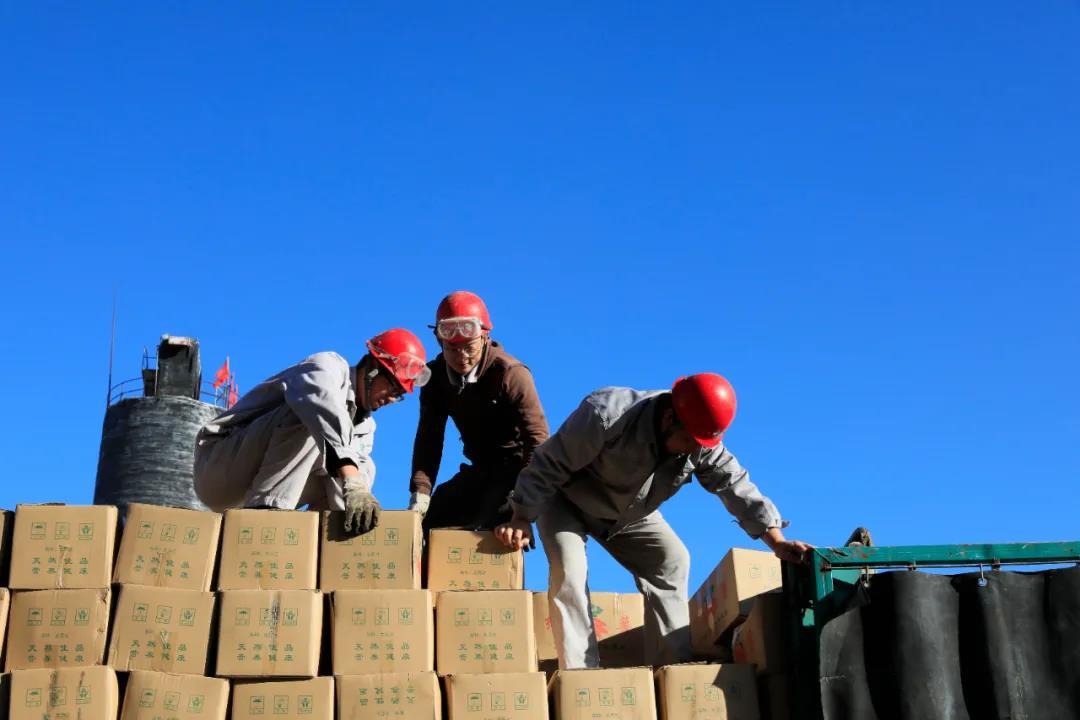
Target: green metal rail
[818,592]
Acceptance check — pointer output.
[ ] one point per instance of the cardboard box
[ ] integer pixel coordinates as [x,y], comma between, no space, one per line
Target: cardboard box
[81,693]
[775,697]
[168,547]
[387,558]
[497,696]
[484,631]
[378,631]
[57,628]
[161,629]
[617,694]
[63,547]
[389,696]
[725,597]
[269,550]
[308,699]
[269,633]
[619,621]
[762,639]
[707,692]
[165,696]
[468,560]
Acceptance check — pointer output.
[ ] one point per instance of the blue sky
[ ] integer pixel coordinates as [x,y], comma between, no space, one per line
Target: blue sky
[864,214]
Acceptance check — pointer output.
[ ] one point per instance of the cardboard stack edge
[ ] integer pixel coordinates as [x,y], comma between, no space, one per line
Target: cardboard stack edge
[195,615]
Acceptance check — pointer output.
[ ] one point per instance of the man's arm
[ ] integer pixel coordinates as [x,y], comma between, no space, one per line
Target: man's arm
[720,473]
[521,389]
[428,444]
[573,446]
[317,391]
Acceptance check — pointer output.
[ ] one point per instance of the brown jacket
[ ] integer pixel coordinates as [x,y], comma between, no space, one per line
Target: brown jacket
[499,417]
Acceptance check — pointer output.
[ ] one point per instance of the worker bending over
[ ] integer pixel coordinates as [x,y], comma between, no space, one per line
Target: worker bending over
[604,474]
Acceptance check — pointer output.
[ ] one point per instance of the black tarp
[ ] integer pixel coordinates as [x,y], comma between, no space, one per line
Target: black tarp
[920,646]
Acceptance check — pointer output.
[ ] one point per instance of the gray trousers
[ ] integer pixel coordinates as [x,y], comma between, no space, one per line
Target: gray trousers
[272,461]
[650,550]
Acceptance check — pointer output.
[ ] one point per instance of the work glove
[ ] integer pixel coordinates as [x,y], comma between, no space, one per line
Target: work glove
[361,510]
[419,502]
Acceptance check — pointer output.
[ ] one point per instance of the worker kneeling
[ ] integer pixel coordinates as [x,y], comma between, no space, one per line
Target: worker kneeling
[604,474]
[304,436]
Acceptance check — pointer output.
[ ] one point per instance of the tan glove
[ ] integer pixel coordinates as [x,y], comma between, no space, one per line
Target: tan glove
[361,510]
[419,502]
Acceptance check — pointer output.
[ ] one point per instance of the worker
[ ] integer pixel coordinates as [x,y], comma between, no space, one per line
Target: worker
[492,399]
[305,435]
[604,474]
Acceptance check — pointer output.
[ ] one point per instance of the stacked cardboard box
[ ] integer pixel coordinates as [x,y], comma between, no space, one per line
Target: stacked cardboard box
[187,630]
[701,691]
[387,558]
[725,598]
[486,639]
[270,609]
[58,693]
[310,699]
[61,566]
[761,641]
[497,696]
[485,631]
[612,694]
[157,696]
[467,560]
[382,623]
[164,604]
[739,614]
[389,696]
[619,622]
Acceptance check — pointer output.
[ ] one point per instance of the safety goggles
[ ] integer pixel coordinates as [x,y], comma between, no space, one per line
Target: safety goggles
[467,328]
[407,367]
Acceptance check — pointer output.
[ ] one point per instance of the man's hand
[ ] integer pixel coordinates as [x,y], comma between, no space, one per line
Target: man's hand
[516,534]
[419,502]
[792,551]
[361,507]
[361,511]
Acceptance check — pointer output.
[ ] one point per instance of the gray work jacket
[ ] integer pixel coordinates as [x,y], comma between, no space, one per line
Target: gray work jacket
[320,391]
[606,461]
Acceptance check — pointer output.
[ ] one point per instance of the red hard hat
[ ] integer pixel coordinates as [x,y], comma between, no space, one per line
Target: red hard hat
[463,305]
[705,405]
[402,353]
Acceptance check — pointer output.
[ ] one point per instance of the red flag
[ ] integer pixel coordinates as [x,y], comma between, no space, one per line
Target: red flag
[222,375]
[234,393]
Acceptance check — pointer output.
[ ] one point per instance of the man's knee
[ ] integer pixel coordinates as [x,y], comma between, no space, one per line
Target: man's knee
[670,570]
[566,559]
[210,480]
